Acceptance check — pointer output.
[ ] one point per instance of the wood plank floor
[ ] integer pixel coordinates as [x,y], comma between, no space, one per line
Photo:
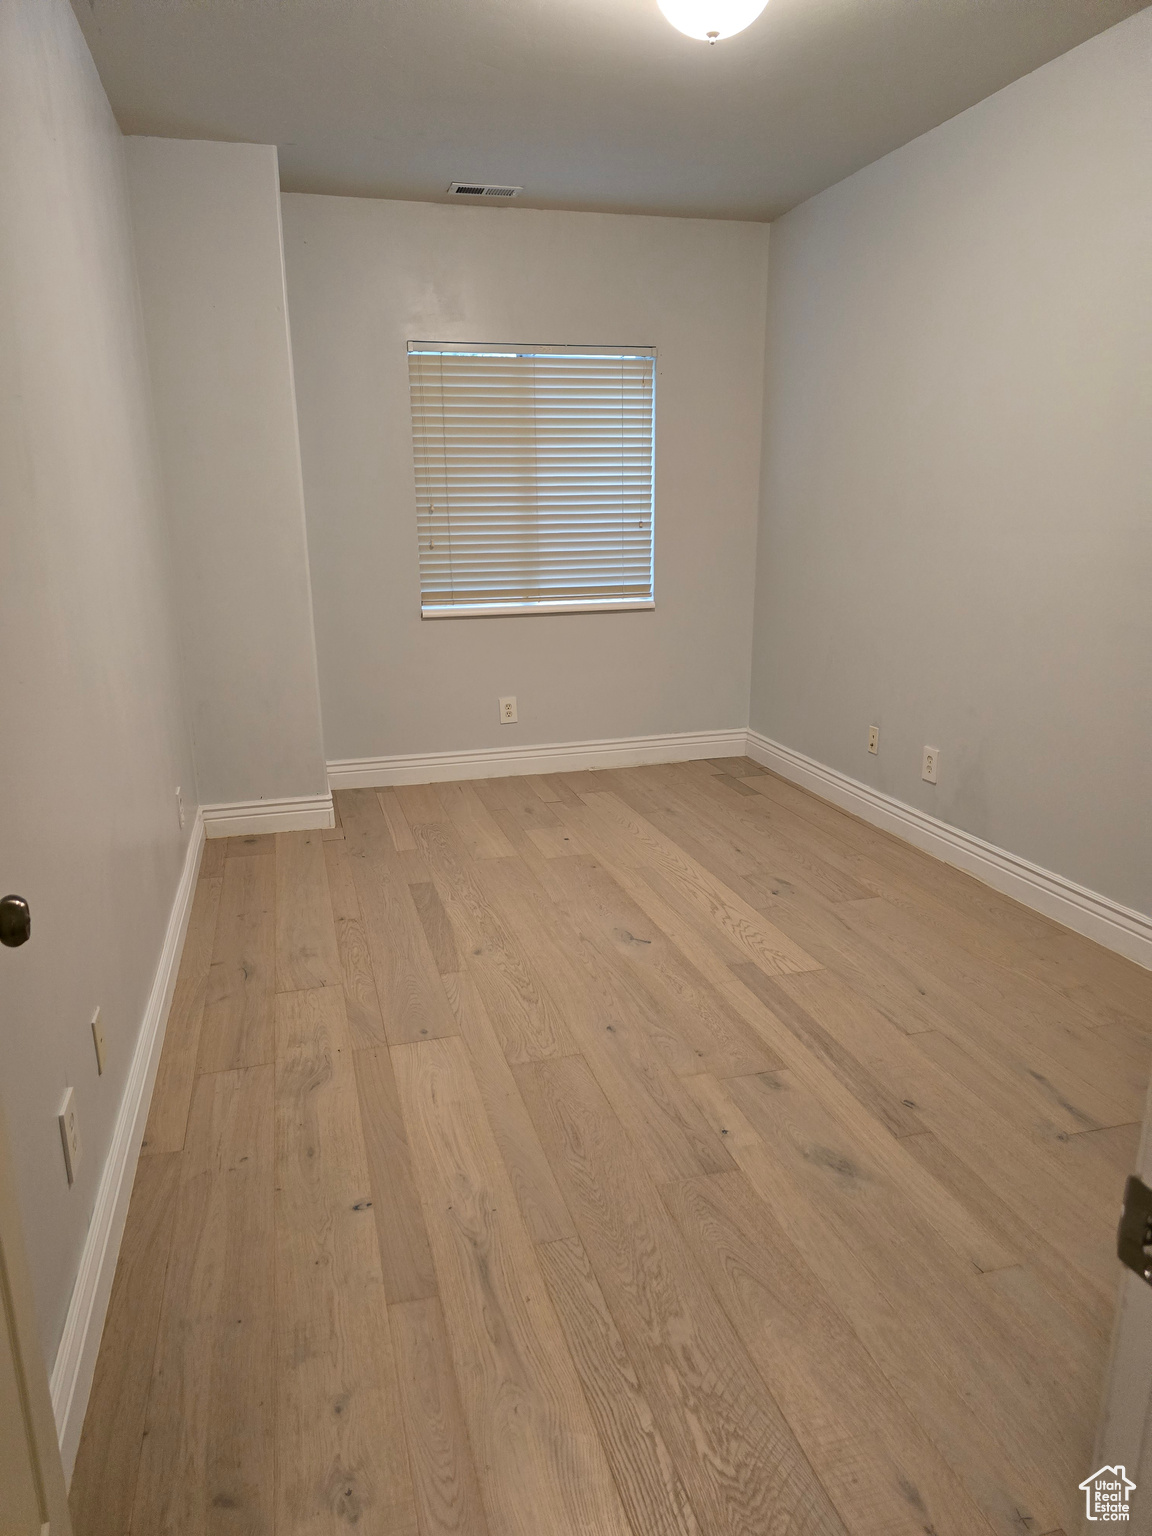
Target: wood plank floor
[657,1152]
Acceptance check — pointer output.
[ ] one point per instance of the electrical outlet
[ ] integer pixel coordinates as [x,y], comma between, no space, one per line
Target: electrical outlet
[873,739]
[930,765]
[70,1134]
[508,711]
[180,807]
[98,1041]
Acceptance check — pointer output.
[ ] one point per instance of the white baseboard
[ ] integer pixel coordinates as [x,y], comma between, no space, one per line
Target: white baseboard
[1120,928]
[558,757]
[71,1379]
[297,813]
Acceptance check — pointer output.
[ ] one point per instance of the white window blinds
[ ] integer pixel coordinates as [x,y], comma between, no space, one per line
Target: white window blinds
[533,477]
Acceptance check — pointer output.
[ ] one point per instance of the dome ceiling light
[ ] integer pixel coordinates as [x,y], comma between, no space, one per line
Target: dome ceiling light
[710,20]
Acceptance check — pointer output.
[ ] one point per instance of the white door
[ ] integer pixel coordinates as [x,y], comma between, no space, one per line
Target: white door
[33,1499]
[1124,1439]
[22,1507]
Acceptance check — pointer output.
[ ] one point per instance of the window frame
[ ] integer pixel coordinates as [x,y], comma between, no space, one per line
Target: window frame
[541,607]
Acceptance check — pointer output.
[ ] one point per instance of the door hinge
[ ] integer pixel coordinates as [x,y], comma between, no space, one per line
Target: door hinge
[1134,1234]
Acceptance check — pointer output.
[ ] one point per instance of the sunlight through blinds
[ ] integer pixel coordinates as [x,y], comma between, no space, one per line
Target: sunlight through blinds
[533,477]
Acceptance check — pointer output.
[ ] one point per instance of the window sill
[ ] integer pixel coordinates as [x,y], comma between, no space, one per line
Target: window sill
[512,610]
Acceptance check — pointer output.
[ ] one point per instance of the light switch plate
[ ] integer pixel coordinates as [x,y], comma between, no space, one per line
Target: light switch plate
[98,1041]
[70,1134]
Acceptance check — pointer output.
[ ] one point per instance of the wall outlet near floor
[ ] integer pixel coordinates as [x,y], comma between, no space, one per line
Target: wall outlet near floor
[70,1134]
[180,806]
[98,1041]
[873,739]
[930,765]
[508,710]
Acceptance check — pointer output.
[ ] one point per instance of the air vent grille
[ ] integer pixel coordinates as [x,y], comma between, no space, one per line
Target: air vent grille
[482,189]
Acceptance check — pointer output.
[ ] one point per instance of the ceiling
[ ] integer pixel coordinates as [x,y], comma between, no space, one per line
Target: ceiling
[596,104]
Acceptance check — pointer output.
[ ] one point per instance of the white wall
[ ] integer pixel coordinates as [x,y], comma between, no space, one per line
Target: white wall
[364,277]
[210,257]
[92,739]
[956,535]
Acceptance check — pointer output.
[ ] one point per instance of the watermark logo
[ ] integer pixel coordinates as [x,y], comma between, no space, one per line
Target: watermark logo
[1106,1493]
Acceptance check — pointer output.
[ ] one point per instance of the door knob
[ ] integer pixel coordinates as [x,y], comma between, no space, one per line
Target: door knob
[15,921]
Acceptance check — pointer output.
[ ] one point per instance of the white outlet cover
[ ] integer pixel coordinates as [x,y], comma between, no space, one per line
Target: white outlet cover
[873,739]
[508,710]
[180,806]
[70,1134]
[931,765]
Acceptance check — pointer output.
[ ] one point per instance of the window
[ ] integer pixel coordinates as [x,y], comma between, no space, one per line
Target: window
[533,477]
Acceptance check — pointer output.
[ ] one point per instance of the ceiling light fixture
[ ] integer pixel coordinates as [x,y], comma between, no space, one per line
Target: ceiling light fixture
[710,20]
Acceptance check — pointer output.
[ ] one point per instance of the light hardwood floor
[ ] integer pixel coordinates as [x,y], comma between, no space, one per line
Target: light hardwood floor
[658,1152]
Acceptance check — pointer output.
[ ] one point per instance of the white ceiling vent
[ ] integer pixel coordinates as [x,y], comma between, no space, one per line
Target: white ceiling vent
[482,189]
